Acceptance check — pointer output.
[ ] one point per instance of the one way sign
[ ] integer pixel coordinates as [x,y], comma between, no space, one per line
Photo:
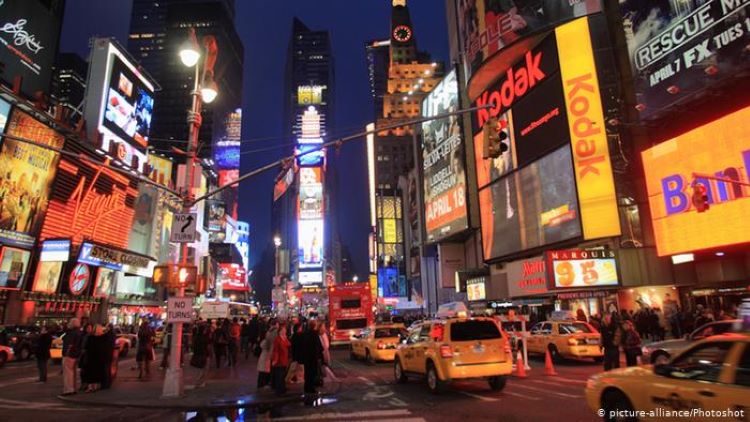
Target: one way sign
[183,228]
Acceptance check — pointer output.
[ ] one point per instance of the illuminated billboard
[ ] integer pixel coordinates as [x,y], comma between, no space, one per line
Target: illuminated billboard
[680,48]
[310,94]
[226,146]
[309,159]
[161,169]
[217,220]
[13,266]
[310,194]
[233,277]
[487,26]
[310,243]
[582,268]
[310,126]
[26,176]
[120,102]
[443,163]
[475,288]
[720,149]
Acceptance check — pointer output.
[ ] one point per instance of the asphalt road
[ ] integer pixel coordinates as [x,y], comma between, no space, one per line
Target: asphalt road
[365,393]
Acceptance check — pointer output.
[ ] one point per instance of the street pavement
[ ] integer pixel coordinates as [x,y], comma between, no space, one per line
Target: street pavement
[364,392]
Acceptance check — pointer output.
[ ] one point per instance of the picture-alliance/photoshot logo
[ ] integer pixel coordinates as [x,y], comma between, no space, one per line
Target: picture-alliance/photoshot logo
[21,37]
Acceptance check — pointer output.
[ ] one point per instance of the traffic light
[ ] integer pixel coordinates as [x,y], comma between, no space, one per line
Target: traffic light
[176,276]
[495,135]
[700,197]
[161,274]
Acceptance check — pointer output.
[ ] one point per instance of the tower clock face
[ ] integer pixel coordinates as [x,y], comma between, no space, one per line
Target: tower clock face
[402,33]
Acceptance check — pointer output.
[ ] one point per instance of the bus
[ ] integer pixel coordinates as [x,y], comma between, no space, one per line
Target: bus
[349,310]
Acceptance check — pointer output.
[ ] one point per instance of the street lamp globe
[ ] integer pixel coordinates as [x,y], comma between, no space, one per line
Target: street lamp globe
[277,241]
[189,54]
[355,278]
[209,91]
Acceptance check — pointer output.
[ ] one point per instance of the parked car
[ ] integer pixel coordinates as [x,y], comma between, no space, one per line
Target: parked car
[21,339]
[659,352]
[6,355]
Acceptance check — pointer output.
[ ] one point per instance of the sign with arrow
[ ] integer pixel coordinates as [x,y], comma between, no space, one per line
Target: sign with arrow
[184,228]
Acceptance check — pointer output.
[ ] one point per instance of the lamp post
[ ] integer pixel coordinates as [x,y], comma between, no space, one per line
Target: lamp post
[204,90]
[276,278]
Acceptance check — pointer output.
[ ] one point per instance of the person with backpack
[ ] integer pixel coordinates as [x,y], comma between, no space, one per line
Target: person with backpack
[632,344]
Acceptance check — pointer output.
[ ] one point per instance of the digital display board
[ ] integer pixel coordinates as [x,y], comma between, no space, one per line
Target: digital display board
[310,243]
[13,266]
[310,277]
[582,268]
[130,105]
[55,250]
[233,277]
[391,283]
[720,149]
[310,94]
[310,194]
[47,276]
[475,288]
[309,159]
[29,34]
[689,46]
[443,163]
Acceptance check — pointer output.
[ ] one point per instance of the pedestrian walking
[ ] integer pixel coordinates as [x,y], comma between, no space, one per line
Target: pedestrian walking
[111,355]
[201,352]
[94,365]
[72,350]
[611,340]
[280,360]
[632,344]
[325,343]
[234,341]
[244,338]
[311,358]
[221,341]
[295,366]
[41,351]
[145,353]
[266,351]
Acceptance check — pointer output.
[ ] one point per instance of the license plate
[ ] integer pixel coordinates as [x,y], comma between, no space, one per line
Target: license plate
[479,349]
[592,341]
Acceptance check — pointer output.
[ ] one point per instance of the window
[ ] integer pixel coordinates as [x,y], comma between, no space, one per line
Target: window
[711,329]
[424,333]
[350,324]
[351,303]
[389,332]
[702,363]
[474,330]
[574,327]
[546,328]
[742,375]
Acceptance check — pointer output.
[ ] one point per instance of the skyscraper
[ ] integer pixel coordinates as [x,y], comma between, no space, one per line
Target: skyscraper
[69,83]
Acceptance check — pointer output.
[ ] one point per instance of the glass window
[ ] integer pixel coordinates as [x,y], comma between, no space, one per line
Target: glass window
[474,330]
[349,324]
[351,303]
[389,332]
[742,376]
[574,327]
[424,332]
[546,328]
[702,363]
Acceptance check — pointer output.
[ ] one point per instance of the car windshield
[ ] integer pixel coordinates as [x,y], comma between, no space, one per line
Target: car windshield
[574,327]
[474,330]
[389,332]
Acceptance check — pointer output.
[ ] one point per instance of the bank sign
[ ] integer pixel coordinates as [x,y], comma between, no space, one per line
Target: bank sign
[720,149]
[678,47]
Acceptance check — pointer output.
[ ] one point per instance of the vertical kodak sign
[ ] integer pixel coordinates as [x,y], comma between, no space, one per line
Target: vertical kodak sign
[596,187]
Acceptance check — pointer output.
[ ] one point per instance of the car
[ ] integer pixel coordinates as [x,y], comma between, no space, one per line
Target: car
[55,351]
[661,351]
[565,339]
[21,339]
[6,355]
[710,375]
[377,343]
[455,348]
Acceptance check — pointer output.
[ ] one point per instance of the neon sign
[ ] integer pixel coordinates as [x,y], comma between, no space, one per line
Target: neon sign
[79,279]
[92,206]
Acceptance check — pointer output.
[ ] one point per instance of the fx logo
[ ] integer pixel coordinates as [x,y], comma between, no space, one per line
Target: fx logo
[696,54]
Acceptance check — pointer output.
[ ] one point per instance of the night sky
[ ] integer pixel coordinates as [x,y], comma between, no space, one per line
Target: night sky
[264,27]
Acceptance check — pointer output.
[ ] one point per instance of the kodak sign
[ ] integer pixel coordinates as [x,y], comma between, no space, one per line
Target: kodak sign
[593,169]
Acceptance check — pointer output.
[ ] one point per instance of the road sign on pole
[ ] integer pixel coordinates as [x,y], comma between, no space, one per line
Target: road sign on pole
[180,309]
[184,228]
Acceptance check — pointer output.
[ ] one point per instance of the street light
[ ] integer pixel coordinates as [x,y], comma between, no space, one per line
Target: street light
[277,241]
[355,278]
[204,89]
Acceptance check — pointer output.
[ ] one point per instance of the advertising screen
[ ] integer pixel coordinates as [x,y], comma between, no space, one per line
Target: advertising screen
[581,268]
[47,276]
[105,282]
[310,194]
[310,243]
[227,157]
[26,175]
[29,34]
[442,160]
[130,105]
[13,266]
[487,26]
[530,207]
[526,277]
[475,289]
[161,169]
[310,94]
[217,220]
[391,283]
[233,277]
[79,279]
[720,149]
[310,277]
[309,159]
[226,147]
[691,45]
[55,250]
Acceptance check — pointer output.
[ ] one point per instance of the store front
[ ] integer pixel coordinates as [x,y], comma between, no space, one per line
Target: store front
[527,288]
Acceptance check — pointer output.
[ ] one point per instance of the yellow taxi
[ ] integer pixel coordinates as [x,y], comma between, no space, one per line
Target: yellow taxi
[711,376]
[565,339]
[55,351]
[455,348]
[377,343]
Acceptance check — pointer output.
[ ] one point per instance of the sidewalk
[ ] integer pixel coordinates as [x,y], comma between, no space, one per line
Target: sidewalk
[226,388]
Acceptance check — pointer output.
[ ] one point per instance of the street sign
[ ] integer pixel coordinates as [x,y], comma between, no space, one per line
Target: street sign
[214,310]
[183,228]
[180,309]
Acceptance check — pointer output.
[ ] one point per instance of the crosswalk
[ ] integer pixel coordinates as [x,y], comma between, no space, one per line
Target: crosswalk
[400,415]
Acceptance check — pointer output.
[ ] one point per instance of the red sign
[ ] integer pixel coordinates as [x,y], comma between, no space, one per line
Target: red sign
[90,202]
[79,279]
[233,277]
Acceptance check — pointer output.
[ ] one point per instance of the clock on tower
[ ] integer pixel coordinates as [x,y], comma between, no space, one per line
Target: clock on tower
[402,33]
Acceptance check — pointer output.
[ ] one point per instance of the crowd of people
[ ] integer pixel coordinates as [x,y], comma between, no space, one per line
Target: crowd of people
[87,347]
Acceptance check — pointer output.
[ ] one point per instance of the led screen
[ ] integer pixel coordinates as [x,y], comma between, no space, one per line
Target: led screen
[130,105]
[310,243]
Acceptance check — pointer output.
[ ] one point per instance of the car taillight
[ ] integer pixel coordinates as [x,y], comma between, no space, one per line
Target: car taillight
[381,345]
[13,339]
[507,348]
[572,341]
[445,351]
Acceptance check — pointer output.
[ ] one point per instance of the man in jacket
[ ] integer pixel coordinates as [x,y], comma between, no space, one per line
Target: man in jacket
[41,351]
[72,348]
[311,358]
[611,340]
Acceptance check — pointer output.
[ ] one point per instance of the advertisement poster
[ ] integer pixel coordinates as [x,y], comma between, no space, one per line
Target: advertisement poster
[720,149]
[47,276]
[13,266]
[161,169]
[310,194]
[475,288]
[29,35]
[310,243]
[129,107]
[105,282]
[391,283]
[442,161]
[233,277]
[527,277]
[531,207]
[487,26]
[26,175]
[582,268]
[227,137]
[690,45]
[217,220]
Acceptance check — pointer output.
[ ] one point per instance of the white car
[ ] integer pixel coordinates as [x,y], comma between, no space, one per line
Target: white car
[661,351]
[6,355]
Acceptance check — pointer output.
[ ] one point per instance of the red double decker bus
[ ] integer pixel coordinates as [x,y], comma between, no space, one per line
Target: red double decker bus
[349,310]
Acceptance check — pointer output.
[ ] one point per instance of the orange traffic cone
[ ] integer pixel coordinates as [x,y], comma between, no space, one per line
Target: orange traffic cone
[549,369]
[520,366]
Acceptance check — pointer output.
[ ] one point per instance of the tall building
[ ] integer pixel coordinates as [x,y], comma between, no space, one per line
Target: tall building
[69,84]
[410,77]
[377,53]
